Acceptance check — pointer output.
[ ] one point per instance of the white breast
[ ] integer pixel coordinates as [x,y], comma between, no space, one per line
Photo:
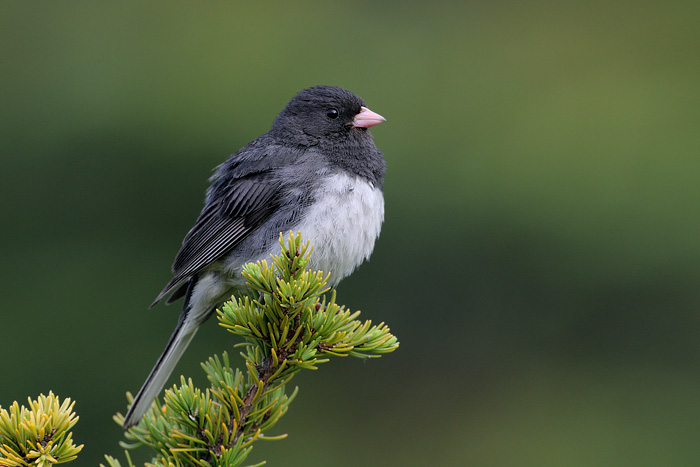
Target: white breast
[343,224]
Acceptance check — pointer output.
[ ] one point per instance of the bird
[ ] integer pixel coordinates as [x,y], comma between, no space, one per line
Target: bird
[316,171]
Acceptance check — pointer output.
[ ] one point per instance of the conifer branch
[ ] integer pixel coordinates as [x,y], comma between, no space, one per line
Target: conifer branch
[288,324]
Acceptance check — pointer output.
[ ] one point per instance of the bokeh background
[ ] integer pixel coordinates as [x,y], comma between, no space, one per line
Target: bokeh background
[540,256]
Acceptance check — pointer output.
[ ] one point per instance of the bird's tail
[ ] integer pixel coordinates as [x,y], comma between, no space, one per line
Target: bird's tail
[179,340]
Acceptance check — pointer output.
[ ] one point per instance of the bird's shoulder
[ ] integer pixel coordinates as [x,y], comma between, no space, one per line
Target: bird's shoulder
[265,168]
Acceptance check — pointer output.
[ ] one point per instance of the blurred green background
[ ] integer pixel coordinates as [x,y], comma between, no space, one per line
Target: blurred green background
[540,256]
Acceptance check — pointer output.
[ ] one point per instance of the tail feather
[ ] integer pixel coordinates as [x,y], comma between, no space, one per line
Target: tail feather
[179,340]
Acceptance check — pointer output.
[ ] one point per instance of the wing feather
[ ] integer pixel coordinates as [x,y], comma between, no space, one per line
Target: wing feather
[237,204]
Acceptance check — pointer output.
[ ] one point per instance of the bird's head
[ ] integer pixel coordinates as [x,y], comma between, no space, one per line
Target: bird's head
[324,112]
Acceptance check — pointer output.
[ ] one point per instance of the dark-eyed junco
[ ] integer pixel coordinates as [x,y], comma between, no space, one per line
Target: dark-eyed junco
[316,171]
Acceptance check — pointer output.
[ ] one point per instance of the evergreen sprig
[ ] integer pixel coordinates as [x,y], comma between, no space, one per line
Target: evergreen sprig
[38,435]
[288,325]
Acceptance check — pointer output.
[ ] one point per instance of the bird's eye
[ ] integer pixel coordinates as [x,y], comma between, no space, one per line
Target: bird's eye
[332,113]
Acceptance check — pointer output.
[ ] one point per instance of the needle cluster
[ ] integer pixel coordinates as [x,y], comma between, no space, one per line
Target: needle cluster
[38,435]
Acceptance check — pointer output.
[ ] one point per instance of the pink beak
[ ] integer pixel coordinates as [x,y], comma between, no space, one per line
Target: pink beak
[366,118]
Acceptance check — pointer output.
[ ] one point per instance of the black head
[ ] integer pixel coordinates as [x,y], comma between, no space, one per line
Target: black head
[334,121]
[320,112]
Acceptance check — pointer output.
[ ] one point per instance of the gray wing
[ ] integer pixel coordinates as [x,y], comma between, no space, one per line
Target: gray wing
[237,204]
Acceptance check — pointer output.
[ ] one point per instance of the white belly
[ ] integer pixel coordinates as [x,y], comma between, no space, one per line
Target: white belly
[343,224]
